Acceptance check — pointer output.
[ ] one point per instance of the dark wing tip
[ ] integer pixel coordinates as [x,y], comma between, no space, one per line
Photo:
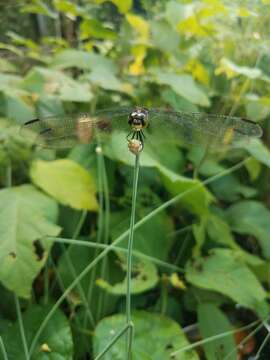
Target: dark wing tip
[31,122]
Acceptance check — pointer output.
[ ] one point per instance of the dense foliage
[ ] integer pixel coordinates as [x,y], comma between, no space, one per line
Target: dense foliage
[202,243]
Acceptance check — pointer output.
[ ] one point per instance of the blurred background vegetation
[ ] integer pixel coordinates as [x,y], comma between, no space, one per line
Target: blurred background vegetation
[202,265]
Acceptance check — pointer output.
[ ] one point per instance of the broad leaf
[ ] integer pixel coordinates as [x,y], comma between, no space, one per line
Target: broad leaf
[26,215]
[150,239]
[183,85]
[251,217]
[155,338]
[223,271]
[144,278]
[196,200]
[67,182]
[55,342]
[259,151]
[55,83]
[219,348]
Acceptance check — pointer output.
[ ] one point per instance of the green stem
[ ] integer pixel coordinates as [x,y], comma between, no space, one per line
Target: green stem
[3,349]
[103,294]
[129,253]
[215,337]
[19,317]
[136,253]
[258,354]
[110,247]
[113,341]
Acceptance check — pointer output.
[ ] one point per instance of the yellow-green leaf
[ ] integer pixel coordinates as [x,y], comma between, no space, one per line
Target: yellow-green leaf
[66,181]
[140,25]
[123,5]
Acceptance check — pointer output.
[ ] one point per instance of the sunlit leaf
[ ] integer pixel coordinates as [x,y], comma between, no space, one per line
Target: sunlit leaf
[66,181]
[123,5]
[259,151]
[156,337]
[94,28]
[140,26]
[27,215]
[231,70]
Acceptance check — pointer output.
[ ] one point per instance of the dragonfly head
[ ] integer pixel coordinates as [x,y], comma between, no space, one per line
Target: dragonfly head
[138,119]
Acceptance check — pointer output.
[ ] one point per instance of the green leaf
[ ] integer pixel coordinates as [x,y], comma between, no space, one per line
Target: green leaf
[233,69]
[258,150]
[253,218]
[81,60]
[94,28]
[223,271]
[123,5]
[66,181]
[26,215]
[55,83]
[215,349]
[229,188]
[151,238]
[163,36]
[155,338]
[197,198]
[54,343]
[153,156]
[144,278]
[183,85]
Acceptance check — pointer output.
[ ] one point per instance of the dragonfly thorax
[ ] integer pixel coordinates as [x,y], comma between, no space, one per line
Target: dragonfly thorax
[138,119]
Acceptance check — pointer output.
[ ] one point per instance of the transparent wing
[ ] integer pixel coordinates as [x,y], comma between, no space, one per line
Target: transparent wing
[65,131]
[202,129]
[163,126]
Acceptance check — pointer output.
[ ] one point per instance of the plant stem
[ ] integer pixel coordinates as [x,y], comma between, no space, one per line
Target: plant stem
[3,349]
[129,254]
[113,341]
[19,317]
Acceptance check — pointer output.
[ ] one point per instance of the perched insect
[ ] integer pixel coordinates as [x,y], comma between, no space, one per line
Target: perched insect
[142,124]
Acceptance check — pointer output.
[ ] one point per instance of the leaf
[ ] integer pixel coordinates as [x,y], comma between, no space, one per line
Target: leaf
[253,167]
[163,36]
[223,271]
[81,60]
[26,215]
[229,188]
[183,85]
[231,70]
[154,156]
[253,218]
[55,83]
[144,278]
[219,348]
[123,5]
[141,27]
[197,198]
[54,343]
[155,338]
[66,181]
[150,239]
[258,150]
[94,28]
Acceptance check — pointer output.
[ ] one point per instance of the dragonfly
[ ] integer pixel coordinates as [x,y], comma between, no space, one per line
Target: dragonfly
[143,124]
